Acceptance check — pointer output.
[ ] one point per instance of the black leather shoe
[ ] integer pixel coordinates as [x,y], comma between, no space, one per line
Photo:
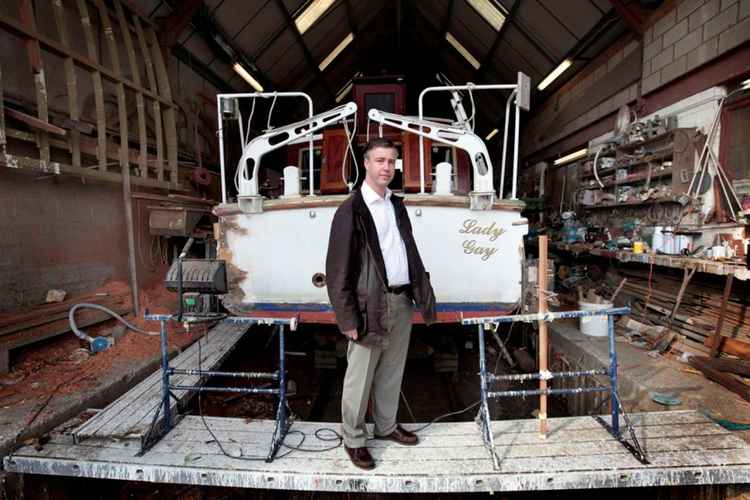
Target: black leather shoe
[401,436]
[360,457]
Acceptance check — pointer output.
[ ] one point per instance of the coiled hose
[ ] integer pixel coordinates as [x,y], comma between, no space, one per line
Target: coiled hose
[99,343]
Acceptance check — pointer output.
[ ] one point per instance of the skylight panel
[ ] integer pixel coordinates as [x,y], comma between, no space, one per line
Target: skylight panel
[462,50]
[344,91]
[311,14]
[335,52]
[489,11]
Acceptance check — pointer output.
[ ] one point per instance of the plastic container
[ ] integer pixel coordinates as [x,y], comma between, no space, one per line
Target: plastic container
[594,326]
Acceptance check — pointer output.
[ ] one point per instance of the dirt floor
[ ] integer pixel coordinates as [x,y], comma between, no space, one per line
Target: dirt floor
[46,375]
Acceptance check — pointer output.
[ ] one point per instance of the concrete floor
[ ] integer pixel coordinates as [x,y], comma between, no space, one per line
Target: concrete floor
[640,375]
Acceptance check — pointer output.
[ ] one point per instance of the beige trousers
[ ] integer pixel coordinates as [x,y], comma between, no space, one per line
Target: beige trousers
[379,369]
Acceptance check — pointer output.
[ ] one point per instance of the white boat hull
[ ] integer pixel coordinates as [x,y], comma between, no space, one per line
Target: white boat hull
[474,257]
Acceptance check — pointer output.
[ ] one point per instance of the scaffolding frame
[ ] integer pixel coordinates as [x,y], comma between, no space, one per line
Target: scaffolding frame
[616,410]
[159,428]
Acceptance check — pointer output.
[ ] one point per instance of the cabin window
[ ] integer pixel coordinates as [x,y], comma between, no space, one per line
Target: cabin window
[304,165]
[382,101]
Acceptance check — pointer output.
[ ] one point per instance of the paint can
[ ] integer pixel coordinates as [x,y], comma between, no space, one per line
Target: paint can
[594,326]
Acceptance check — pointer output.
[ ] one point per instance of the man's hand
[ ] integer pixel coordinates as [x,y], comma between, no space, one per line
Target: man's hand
[351,334]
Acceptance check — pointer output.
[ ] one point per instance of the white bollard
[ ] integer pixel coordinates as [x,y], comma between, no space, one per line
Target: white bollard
[291,182]
[443,178]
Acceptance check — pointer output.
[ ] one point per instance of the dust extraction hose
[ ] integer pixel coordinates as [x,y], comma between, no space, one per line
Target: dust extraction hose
[95,341]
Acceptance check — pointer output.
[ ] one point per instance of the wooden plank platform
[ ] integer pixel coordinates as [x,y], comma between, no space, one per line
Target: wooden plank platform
[684,447]
[130,415]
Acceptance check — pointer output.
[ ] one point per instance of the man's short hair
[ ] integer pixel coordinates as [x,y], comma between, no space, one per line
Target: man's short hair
[378,142]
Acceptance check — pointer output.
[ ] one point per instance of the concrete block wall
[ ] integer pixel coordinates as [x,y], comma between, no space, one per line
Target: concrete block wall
[687,35]
[536,135]
[690,35]
[58,233]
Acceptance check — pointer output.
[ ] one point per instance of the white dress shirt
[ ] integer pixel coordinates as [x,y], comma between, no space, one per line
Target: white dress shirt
[391,244]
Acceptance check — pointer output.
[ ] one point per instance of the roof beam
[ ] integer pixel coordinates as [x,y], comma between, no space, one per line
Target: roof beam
[219,43]
[318,75]
[496,42]
[201,68]
[532,41]
[352,25]
[172,25]
[634,18]
[447,21]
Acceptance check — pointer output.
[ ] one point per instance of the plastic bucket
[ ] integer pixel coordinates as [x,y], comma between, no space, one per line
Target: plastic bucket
[594,326]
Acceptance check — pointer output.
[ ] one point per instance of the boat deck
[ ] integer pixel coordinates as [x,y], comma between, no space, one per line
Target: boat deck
[684,447]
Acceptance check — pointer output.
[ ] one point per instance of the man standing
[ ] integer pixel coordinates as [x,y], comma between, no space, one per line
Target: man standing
[374,276]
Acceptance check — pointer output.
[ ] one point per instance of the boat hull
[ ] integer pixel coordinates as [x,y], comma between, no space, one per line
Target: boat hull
[276,258]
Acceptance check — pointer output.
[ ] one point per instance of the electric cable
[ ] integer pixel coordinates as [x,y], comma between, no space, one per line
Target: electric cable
[472,119]
[596,174]
[249,124]
[349,148]
[270,111]
[87,305]
[441,417]
[298,447]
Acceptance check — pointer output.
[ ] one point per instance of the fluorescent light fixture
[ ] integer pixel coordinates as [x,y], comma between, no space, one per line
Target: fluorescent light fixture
[335,52]
[571,157]
[490,12]
[490,135]
[247,77]
[745,85]
[555,73]
[462,50]
[344,91]
[311,14]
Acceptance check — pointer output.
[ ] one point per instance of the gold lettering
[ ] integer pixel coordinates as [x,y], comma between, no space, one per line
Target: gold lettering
[471,248]
[472,226]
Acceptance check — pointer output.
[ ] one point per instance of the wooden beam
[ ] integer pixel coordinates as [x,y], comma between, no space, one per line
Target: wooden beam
[13,26]
[728,381]
[720,322]
[139,101]
[168,114]
[543,335]
[26,164]
[35,122]
[146,52]
[71,84]
[96,78]
[122,112]
[26,14]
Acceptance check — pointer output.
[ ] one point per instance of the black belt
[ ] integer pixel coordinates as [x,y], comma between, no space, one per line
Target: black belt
[398,290]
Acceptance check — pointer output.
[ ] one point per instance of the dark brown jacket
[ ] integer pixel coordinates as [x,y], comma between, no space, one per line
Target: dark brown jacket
[355,270]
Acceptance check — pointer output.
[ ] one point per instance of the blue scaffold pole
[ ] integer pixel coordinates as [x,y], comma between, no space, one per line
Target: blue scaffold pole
[613,376]
[165,376]
[484,411]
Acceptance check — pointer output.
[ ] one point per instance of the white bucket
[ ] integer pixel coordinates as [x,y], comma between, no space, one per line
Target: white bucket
[594,326]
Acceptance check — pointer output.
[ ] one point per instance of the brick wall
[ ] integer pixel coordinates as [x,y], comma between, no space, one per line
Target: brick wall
[690,35]
[60,233]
